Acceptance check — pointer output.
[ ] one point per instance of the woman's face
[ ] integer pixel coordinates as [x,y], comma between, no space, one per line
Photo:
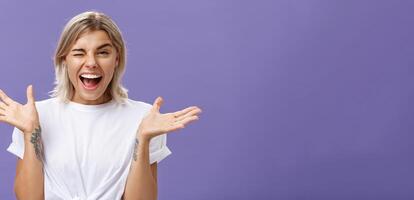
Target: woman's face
[91,63]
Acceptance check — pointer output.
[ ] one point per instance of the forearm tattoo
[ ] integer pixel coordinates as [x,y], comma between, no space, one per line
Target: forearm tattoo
[36,140]
[135,154]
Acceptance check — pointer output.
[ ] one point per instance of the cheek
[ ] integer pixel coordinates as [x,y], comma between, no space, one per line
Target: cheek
[109,76]
[72,69]
[109,70]
[72,72]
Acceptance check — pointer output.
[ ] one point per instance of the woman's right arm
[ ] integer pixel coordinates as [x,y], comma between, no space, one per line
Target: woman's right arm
[29,181]
[29,170]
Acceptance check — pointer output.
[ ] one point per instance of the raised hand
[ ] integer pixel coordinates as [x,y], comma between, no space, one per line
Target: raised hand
[156,123]
[23,117]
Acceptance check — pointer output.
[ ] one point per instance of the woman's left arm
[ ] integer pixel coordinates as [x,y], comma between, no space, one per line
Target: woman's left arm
[141,183]
[142,178]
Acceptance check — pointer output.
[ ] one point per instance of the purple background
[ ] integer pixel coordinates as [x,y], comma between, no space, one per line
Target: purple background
[302,99]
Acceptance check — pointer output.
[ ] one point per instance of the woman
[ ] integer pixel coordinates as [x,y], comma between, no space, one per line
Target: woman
[89,141]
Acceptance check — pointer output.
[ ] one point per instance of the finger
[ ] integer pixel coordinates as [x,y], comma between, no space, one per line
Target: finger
[175,127]
[187,120]
[30,94]
[189,114]
[184,111]
[3,118]
[5,98]
[3,106]
[157,104]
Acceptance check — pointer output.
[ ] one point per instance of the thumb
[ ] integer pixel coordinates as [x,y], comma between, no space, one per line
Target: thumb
[30,95]
[157,104]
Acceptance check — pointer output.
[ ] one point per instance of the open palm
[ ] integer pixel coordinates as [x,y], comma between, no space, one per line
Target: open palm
[156,123]
[23,117]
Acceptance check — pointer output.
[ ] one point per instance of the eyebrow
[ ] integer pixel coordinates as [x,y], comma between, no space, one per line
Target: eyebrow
[100,47]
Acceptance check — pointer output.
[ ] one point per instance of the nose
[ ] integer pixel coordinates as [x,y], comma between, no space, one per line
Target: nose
[90,61]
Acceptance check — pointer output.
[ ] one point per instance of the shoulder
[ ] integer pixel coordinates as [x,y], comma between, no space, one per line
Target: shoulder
[48,110]
[46,103]
[139,105]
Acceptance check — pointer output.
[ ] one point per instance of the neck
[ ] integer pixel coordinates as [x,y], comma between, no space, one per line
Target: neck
[101,100]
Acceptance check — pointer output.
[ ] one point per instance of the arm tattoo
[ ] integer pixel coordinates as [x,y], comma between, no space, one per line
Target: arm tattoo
[134,155]
[36,140]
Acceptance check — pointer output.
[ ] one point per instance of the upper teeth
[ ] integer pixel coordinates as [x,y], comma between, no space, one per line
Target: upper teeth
[90,76]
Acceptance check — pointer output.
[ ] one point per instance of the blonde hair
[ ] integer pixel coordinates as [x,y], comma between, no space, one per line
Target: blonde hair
[85,22]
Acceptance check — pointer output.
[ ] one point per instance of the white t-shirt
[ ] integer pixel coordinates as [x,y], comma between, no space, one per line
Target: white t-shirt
[88,148]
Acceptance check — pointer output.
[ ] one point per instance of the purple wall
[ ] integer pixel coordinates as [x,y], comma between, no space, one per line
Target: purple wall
[302,99]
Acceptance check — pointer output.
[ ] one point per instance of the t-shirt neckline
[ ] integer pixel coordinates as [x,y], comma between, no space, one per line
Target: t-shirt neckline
[85,107]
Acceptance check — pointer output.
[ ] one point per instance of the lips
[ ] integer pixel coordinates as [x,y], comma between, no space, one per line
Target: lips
[90,81]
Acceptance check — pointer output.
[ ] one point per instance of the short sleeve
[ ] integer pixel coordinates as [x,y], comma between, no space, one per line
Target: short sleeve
[17,145]
[158,148]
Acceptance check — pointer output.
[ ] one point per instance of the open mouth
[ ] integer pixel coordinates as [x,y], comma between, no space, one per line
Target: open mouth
[90,81]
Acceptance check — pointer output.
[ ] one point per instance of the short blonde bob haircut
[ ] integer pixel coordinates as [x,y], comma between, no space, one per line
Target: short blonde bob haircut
[82,23]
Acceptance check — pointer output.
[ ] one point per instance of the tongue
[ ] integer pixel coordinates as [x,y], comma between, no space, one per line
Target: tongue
[90,82]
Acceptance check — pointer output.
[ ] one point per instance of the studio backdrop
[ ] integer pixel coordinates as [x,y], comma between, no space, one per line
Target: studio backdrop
[301,99]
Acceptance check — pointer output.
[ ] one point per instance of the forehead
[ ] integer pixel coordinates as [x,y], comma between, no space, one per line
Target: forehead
[92,39]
